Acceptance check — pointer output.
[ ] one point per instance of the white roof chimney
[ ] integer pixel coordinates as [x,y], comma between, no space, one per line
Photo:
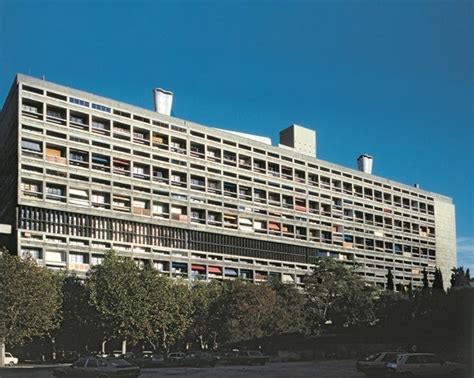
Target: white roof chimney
[163,101]
[364,163]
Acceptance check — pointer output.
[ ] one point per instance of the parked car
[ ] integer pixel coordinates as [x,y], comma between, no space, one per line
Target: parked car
[375,364]
[10,360]
[67,356]
[98,367]
[199,358]
[175,358]
[147,359]
[424,364]
[244,357]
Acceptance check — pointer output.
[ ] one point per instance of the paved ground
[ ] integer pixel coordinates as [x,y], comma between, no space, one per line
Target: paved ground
[323,369]
[336,369]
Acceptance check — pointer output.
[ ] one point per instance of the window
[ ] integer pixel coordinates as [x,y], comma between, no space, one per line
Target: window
[79,197]
[76,101]
[31,146]
[34,253]
[77,258]
[99,198]
[102,108]
[55,190]
[96,259]
[100,159]
[76,119]
[78,155]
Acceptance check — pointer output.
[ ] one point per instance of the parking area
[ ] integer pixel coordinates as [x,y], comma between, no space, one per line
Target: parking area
[334,368]
[339,368]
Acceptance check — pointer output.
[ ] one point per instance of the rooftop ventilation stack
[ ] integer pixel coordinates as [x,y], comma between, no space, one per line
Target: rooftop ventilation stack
[364,163]
[300,139]
[163,101]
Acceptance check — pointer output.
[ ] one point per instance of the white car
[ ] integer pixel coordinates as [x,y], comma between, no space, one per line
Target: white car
[423,365]
[10,360]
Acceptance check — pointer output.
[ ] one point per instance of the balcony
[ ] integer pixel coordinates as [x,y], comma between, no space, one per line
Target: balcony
[100,126]
[161,210]
[245,224]
[100,162]
[230,158]
[56,115]
[178,146]
[79,158]
[31,148]
[141,172]
[197,151]
[121,131]
[230,221]
[79,197]
[274,228]
[141,136]
[32,109]
[214,219]
[179,217]
[214,187]
[32,189]
[178,180]
[141,211]
[79,121]
[198,216]
[56,193]
[160,141]
[56,154]
[161,177]
[214,154]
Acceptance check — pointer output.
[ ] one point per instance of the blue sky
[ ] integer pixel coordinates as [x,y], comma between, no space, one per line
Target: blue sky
[390,78]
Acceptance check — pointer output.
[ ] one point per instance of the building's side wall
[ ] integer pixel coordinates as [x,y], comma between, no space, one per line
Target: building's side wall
[9,167]
[445,238]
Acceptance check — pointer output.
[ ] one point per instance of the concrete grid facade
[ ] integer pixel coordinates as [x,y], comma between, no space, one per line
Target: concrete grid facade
[82,174]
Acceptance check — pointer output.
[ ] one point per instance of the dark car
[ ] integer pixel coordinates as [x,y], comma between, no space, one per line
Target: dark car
[199,358]
[67,356]
[98,367]
[374,365]
[175,358]
[147,359]
[244,357]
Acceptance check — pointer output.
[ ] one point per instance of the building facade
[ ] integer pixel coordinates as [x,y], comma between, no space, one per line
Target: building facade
[82,174]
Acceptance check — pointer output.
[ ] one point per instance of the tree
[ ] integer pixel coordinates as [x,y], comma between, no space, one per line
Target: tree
[336,294]
[168,309]
[426,284]
[81,324]
[390,284]
[438,280]
[203,295]
[117,293]
[243,312]
[289,314]
[30,300]
[460,278]
[392,310]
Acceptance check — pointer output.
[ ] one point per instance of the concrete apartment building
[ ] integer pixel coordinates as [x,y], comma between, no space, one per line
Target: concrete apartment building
[81,174]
